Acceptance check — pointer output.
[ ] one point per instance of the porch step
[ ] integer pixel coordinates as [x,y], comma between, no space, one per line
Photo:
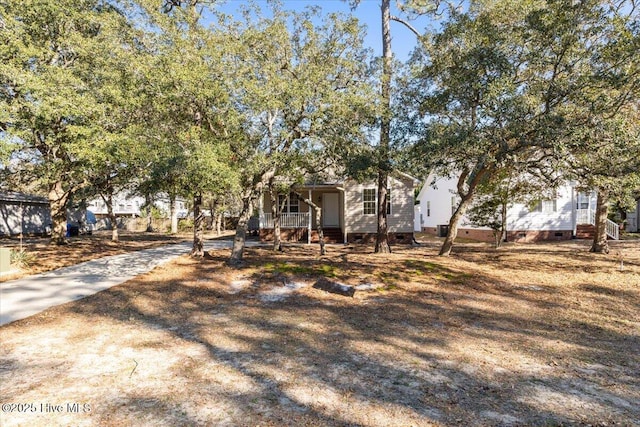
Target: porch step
[585,231]
[331,235]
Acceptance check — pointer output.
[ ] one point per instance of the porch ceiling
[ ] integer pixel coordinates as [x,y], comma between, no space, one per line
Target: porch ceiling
[315,187]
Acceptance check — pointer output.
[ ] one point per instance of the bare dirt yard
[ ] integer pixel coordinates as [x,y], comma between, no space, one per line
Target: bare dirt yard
[536,334]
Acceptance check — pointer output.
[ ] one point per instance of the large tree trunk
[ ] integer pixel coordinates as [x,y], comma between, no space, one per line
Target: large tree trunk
[503,225]
[276,209]
[173,213]
[149,204]
[108,200]
[452,233]
[215,216]
[247,206]
[382,236]
[600,244]
[58,199]
[318,214]
[241,231]
[219,223]
[465,201]
[198,227]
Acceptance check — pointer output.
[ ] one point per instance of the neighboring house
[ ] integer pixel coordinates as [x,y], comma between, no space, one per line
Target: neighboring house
[127,205]
[570,214]
[24,214]
[633,219]
[348,212]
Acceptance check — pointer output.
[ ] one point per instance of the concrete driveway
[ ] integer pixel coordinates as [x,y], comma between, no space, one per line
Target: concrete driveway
[30,295]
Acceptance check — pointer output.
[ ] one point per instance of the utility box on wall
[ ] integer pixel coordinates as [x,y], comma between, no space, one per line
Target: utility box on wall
[5,260]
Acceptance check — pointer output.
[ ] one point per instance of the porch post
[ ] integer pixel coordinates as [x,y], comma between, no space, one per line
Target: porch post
[309,226]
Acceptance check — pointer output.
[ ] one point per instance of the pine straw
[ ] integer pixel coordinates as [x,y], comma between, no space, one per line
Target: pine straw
[542,334]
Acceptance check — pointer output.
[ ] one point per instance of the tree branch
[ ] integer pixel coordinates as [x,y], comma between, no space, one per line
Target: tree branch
[406,24]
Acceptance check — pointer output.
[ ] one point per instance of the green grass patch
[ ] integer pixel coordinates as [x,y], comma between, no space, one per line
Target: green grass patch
[288,268]
[422,267]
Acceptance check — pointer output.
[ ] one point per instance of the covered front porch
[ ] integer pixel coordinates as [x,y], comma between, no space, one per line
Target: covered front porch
[298,221]
[586,221]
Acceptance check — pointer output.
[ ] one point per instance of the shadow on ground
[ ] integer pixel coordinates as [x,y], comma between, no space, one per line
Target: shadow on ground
[434,345]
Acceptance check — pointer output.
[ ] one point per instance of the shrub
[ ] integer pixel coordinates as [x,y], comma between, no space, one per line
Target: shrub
[22,258]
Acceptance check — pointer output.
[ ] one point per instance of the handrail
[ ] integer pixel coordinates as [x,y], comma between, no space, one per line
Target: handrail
[287,220]
[588,216]
[613,230]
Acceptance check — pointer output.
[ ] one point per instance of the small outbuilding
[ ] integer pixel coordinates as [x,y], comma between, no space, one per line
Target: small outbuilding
[24,214]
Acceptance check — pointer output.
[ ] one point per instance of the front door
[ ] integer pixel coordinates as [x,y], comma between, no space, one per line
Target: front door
[330,210]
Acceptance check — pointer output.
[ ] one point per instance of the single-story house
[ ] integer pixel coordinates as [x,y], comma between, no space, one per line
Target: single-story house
[24,214]
[349,211]
[571,214]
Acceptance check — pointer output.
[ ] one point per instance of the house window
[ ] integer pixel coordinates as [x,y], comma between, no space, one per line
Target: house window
[583,201]
[289,204]
[549,206]
[428,208]
[294,203]
[369,201]
[546,206]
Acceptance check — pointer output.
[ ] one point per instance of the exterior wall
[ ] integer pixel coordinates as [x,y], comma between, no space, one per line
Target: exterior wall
[401,219]
[538,235]
[479,234]
[633,220]
[519,217]
[437,196]
[523,224]
[354,225]
[403,238]
[417,219]
[30,218]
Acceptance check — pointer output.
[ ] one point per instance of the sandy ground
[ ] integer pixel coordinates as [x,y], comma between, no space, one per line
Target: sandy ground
[544,334]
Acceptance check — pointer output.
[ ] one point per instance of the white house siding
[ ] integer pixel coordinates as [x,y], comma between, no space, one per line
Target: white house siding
[522,223]
[519,217]
[435,203]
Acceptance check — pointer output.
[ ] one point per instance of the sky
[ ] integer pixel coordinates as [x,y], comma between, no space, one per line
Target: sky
[368,13]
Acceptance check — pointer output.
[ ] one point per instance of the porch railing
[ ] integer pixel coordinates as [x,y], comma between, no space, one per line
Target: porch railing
[588,216]
[287,220]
